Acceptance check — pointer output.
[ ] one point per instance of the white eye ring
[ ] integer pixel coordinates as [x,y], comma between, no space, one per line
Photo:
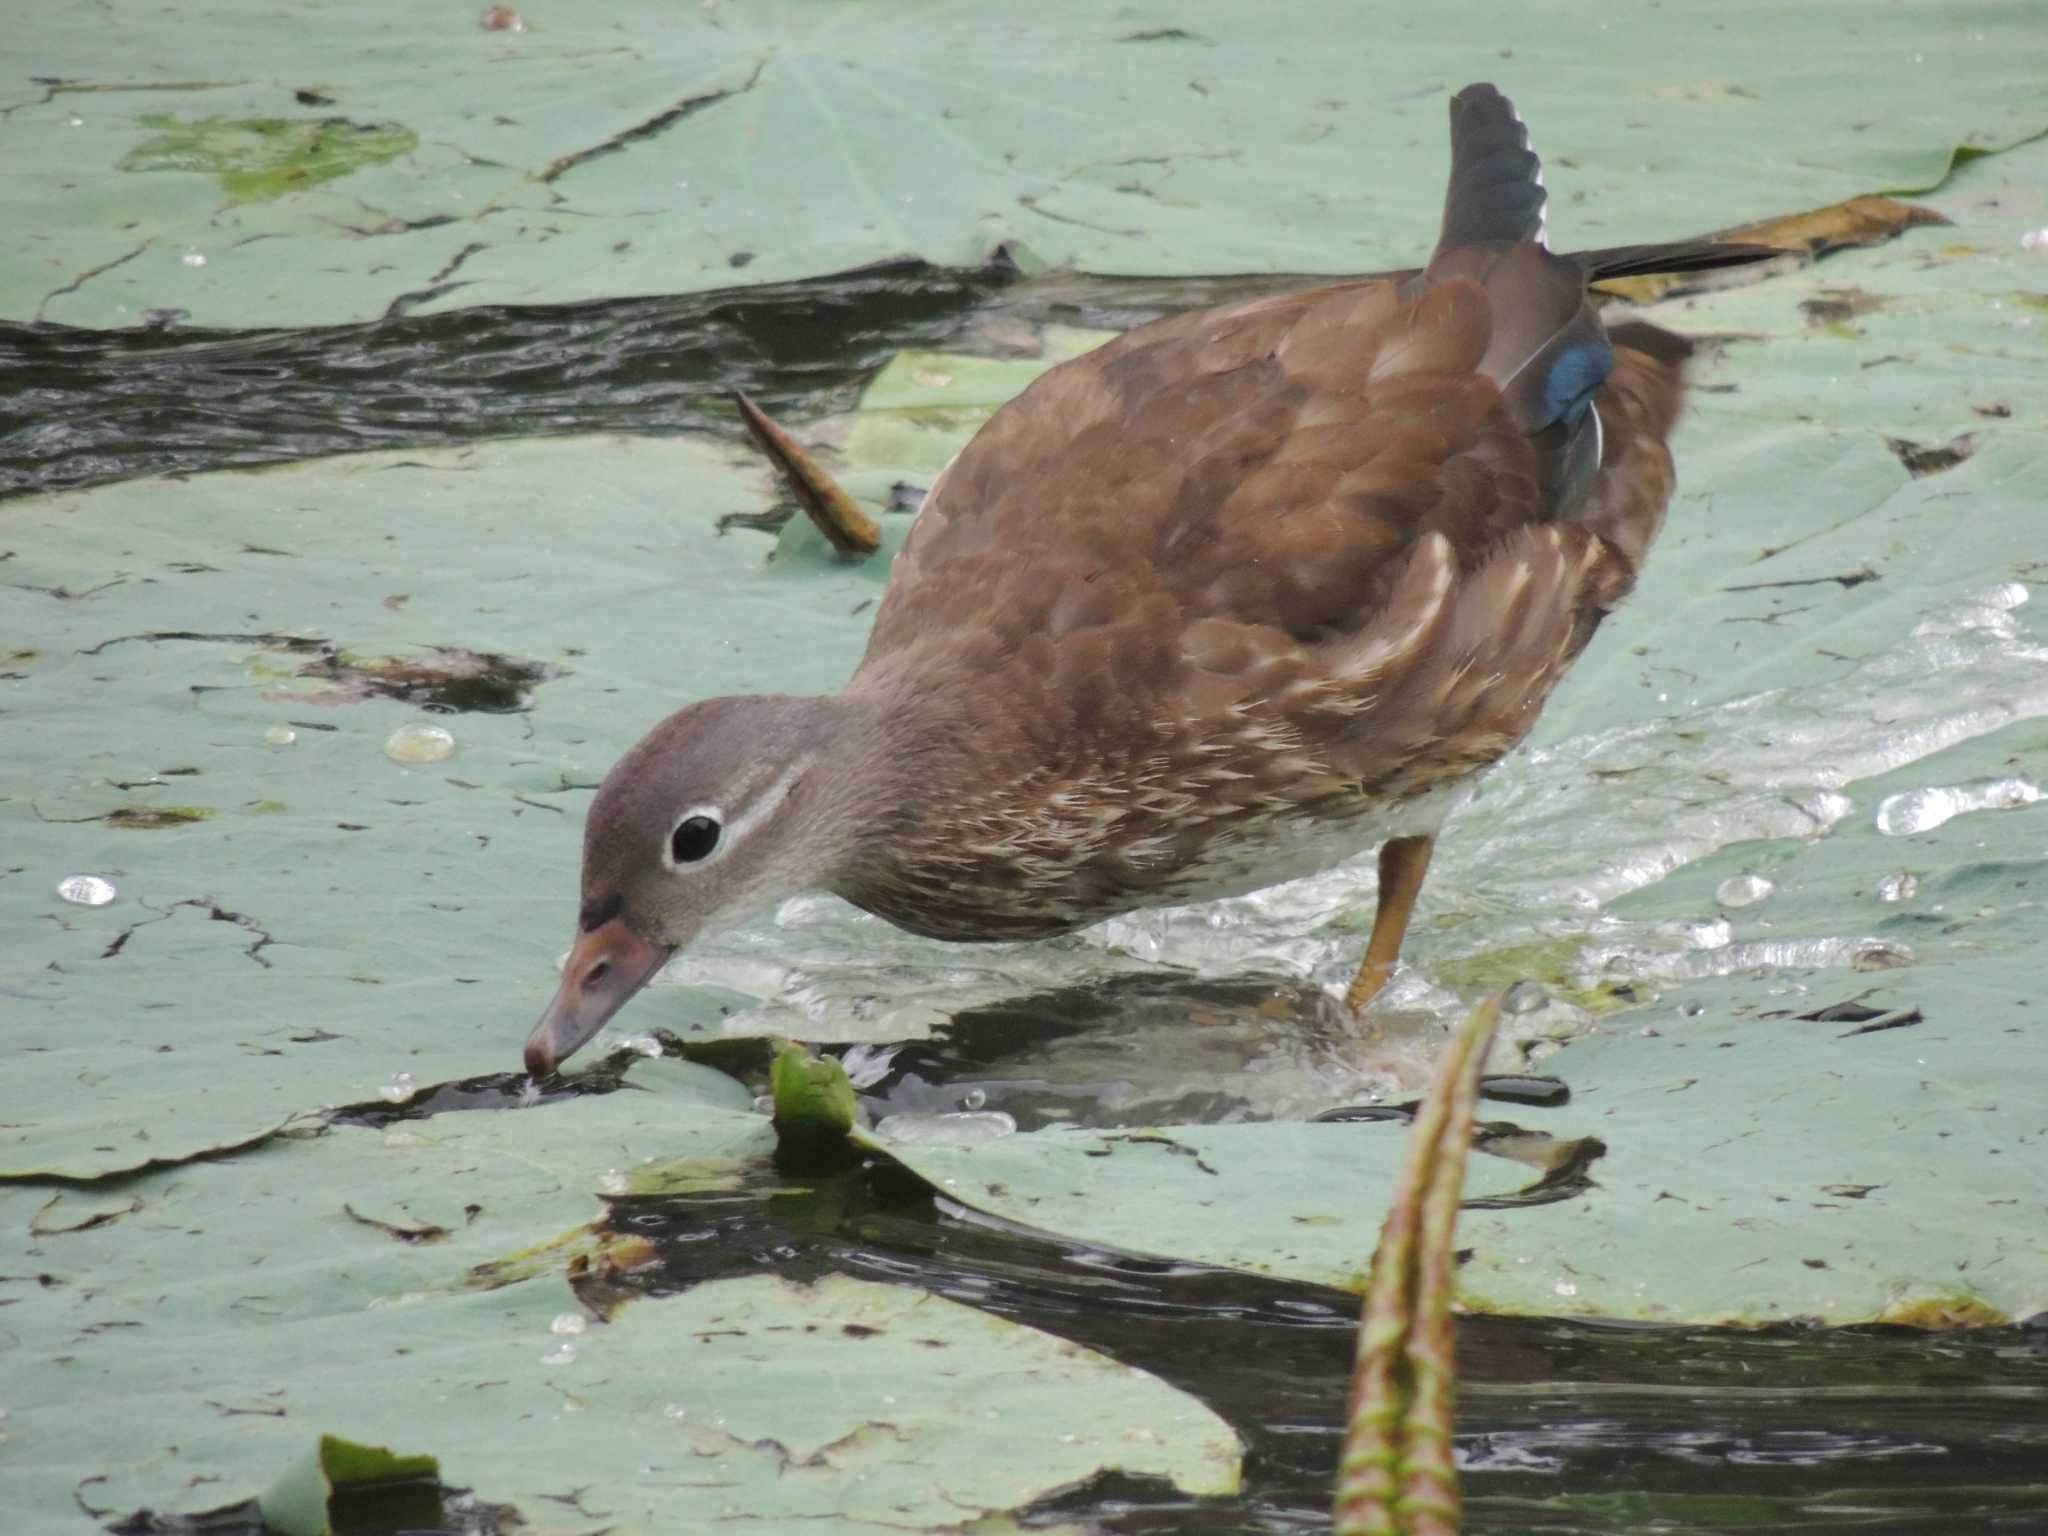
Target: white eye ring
[696,838]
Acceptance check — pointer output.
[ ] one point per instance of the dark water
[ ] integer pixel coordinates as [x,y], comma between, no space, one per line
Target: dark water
[1563,1427]
[83,407]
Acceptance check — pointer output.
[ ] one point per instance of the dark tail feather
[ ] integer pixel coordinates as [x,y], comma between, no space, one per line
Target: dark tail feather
[1496,189]
[1683,256]
[1667,347]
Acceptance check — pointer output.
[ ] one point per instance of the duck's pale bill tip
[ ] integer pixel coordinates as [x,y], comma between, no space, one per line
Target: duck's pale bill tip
[606,966]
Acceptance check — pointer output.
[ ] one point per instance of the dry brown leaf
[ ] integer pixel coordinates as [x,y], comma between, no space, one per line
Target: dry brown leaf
[1868,220]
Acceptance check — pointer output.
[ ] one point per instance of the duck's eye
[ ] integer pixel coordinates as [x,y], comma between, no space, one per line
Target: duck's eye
[693,839]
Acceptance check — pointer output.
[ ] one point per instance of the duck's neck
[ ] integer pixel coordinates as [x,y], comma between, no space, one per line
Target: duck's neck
[889,760]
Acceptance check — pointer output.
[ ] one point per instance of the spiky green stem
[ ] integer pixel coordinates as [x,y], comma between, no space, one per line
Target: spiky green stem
[1396,1475]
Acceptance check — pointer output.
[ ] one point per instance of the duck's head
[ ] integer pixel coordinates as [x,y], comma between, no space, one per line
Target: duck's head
[723,808]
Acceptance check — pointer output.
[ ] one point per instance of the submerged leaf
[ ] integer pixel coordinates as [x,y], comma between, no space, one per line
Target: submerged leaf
[814,1107]
[301,1502]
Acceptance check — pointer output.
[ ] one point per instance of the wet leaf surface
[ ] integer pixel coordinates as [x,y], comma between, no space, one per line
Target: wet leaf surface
[1831,669]
[650,150]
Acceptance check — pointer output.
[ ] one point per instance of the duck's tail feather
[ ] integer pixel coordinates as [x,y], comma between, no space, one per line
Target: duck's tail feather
[1496,187]
[1679,256]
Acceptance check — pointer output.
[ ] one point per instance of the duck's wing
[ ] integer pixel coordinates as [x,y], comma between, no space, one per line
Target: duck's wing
[1374,520]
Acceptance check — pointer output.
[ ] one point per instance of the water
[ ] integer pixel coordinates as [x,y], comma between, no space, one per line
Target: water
[81,407]
[965,1128]
[1922,810]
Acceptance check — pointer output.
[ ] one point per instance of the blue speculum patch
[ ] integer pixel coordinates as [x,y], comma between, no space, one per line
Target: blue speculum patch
[1573,380]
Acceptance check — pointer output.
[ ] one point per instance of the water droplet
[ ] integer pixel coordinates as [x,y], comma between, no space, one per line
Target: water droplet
[974,1098]
[2034,240]
[1922,810]
[1710,935]
[923,1129]
[1827,807]
[569,1322]
[1565,1288]
[1743,890]
[74,121]
[195,259]
[675,1411]
[562,1356]
[1880,957]
[1902,886]
[419,744]
[399,1089]
[611,1182]
[1526,997]
[87,890]
[280,735]
[643,1045]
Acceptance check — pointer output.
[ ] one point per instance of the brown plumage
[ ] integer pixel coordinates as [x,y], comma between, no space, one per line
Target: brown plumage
[1225,601]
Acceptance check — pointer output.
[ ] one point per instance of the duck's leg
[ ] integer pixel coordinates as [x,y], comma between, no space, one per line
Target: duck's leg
[1403,863]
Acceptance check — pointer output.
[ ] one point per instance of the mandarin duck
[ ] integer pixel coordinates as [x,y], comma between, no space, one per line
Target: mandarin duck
[1231,599]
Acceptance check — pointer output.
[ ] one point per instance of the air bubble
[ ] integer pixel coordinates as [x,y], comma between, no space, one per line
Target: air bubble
[419,744]
[569,1323]
[280,735]
[399,1089]
[922,1129]
[1743,890]
[1902,886]
[87,890]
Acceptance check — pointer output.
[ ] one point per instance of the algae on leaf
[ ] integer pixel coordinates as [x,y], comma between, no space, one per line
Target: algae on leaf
[261,158]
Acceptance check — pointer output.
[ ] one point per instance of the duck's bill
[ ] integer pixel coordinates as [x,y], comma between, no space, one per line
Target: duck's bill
[606,967]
